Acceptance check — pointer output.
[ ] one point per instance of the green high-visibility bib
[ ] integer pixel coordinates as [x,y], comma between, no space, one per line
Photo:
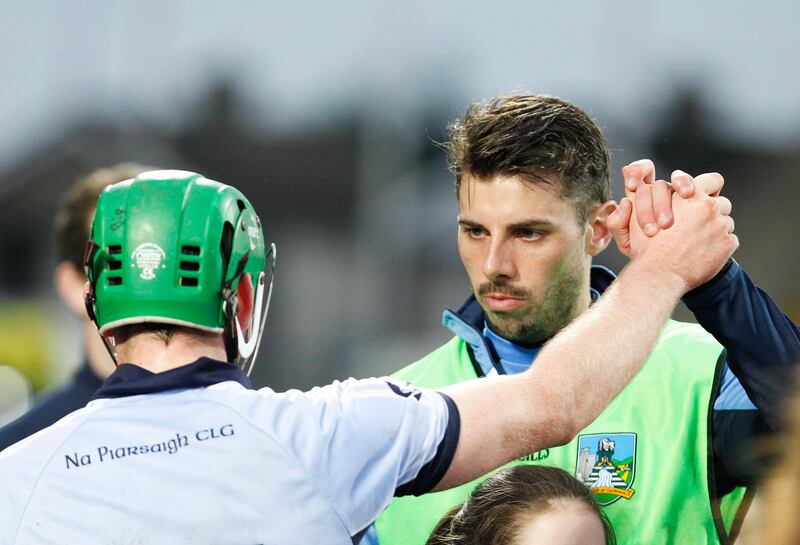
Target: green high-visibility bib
[647,456]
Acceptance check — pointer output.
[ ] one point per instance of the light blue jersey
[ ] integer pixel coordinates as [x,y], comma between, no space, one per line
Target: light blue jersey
[216,462]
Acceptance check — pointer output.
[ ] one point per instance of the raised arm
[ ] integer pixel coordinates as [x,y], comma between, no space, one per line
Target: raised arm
[762,343]
[588,363]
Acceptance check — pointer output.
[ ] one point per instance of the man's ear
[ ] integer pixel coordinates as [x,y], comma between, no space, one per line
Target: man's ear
[69,281]
[598,235]
[245,298]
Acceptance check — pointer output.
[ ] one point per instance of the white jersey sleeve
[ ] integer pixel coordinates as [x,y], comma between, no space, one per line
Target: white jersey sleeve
[228,464]
[364,441]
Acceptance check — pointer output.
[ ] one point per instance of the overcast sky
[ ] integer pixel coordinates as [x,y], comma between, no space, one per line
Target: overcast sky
[302,62]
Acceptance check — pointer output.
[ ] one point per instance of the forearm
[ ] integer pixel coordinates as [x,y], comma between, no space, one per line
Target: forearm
[575,376]
[591,361]
[762,343]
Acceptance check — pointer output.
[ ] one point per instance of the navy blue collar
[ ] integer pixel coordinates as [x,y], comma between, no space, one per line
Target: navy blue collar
[131,380]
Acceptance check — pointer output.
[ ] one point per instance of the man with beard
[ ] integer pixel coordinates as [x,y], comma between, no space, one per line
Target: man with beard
[665,457]
[176,448]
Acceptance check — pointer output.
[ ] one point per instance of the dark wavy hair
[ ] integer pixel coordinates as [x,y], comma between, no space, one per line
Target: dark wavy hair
[533,136]
[493,513]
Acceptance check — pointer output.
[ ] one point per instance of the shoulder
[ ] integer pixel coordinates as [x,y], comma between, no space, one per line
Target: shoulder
[21,464]
[448,364]
[322,408]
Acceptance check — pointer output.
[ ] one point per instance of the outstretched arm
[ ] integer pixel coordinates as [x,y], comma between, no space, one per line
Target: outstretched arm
[762,343]
[588,363]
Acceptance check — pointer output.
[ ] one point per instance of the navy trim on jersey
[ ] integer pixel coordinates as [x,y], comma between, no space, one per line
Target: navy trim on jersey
[131,380]
[432,472]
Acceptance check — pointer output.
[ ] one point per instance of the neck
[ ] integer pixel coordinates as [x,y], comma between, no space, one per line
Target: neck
[584,299]
[150,352]
[585,293]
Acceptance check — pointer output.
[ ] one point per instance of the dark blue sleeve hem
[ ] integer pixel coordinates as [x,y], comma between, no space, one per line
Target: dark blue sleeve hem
[711,288]
[432,472]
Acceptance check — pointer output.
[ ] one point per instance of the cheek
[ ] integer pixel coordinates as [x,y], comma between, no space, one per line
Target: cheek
[541,264]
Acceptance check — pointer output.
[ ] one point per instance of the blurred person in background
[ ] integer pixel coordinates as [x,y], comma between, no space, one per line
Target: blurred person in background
[72,224]
[176,448]
[526,505]
[776,521]
[666,458]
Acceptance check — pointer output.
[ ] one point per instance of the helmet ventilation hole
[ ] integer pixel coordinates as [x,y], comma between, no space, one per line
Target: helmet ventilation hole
[114,280]
[190,250]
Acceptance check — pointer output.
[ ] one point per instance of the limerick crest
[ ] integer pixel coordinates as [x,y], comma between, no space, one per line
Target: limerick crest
[606,464]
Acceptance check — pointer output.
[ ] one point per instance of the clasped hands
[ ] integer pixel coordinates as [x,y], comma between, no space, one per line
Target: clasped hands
[690,209]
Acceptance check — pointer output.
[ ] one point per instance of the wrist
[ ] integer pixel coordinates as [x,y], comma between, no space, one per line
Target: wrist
[668,283]
[717,284]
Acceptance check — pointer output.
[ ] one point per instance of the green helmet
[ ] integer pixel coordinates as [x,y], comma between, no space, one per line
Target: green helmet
[170,247]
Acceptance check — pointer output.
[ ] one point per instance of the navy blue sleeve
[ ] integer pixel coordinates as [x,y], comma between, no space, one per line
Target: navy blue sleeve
[762,343]
[51,407]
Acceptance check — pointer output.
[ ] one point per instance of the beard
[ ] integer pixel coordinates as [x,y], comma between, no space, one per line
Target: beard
[547,315]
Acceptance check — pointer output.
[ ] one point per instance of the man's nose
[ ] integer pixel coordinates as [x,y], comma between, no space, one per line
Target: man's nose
[499,263]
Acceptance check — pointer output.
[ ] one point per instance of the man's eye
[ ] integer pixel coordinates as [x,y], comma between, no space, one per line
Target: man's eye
[528,234]
[474,232]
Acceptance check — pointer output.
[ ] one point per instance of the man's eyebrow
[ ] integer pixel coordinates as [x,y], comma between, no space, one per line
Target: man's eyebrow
[532,224]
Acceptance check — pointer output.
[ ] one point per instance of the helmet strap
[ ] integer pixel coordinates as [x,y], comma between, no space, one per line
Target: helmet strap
[89,300]
[230,309]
